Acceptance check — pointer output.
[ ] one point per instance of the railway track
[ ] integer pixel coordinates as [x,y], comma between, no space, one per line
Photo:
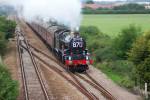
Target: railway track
[60,72]
[34,87]
[76,76]
[85,77]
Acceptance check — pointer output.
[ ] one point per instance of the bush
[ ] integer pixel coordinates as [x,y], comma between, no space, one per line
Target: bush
[127,82]
[103,52]
[100,44]
[143,72]
[140,56]
[123,42]
[3,44]
[8,27]
[89,30]
[8,87]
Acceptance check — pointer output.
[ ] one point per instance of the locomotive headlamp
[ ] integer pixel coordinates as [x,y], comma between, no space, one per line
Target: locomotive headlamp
[87,57]
[87,60]
[69,57]
[70,61]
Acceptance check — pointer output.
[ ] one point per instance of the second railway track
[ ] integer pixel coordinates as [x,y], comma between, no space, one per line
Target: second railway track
[34,87]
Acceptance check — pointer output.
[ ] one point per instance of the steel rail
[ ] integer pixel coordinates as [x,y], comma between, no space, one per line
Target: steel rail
[22,69]
[98,87]
[35,66]
[95,85]
[37,71]
[58,71]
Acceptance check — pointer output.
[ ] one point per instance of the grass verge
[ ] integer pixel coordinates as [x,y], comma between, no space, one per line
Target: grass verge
[119,72]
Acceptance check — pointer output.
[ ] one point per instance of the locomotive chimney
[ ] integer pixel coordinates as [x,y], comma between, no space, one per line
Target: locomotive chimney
[76,34]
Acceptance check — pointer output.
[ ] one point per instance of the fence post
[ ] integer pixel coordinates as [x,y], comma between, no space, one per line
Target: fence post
[146,93]
[0,59]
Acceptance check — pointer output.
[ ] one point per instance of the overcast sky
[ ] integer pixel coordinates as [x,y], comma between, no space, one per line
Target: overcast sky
[93,0]
[109,0]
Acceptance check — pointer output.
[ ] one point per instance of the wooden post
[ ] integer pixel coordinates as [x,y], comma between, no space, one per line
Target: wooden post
[0,59]
[146,93]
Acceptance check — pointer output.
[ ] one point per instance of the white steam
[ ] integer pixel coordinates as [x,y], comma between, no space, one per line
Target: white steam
[66,12]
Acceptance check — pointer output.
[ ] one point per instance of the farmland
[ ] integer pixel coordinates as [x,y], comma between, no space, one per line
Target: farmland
[112,24]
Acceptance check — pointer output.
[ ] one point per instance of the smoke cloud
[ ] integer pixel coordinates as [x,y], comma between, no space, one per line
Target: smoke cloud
[67,12]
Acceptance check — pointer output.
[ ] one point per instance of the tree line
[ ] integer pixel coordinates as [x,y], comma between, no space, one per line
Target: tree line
[130,8]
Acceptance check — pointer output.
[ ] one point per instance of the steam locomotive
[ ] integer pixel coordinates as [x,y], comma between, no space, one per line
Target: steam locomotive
[68,46]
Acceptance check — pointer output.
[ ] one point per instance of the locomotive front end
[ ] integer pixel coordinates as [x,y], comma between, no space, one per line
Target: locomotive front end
[77,57]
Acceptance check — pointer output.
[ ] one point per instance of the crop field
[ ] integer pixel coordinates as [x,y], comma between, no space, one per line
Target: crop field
[112,24]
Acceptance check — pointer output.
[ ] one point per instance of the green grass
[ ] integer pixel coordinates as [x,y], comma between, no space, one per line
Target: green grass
[113,75]
[118,71]
[111,24]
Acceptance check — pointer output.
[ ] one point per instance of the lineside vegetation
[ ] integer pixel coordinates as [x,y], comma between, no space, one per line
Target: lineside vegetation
[125,58]
[9,89]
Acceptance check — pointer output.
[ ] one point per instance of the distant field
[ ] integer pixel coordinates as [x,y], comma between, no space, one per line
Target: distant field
[112,24]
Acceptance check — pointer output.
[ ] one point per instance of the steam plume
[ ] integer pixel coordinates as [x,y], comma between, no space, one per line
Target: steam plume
[66,12]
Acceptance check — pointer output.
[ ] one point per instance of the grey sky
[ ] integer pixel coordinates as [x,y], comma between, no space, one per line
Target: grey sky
[109,0]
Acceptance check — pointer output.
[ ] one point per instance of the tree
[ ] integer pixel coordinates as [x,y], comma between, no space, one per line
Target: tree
[8,27]
[89,2]
[130,6]
[140,56]
[98,43]
[123,42]
[3,43]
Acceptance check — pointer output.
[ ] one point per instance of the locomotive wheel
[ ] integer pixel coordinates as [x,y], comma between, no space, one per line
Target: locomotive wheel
[81,68]
[82,71]
[71,69]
